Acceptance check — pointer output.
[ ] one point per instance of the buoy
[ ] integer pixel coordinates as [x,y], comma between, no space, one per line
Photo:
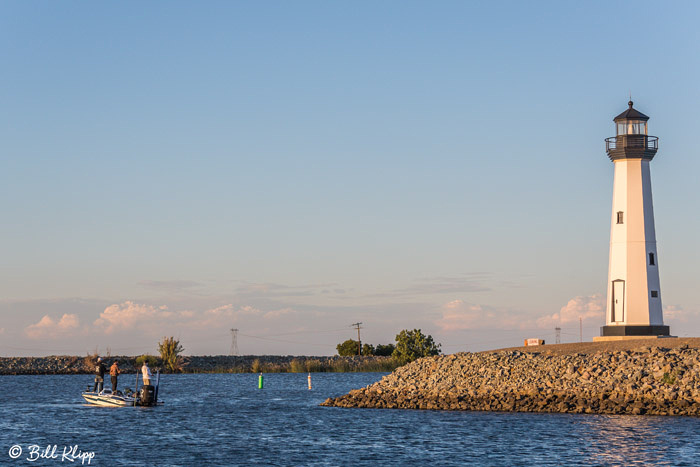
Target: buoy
[260,381]
[309,379]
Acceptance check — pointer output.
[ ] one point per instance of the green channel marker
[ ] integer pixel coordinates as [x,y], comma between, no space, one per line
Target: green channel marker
[260,381]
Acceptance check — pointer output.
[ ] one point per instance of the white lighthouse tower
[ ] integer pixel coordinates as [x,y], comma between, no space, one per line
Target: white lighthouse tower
[634,293]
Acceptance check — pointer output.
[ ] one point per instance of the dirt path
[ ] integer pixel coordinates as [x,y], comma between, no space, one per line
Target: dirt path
[593,347]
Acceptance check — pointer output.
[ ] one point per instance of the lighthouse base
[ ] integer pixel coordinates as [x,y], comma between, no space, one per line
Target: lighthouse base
[635,331]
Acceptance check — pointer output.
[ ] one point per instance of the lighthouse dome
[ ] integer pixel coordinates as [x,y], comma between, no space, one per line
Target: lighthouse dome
[631,114]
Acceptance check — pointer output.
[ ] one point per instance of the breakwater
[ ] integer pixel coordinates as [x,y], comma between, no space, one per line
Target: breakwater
[644,378]
[63,365]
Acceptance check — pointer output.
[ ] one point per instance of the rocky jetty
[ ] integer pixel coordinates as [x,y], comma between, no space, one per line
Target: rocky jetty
[53,365]
[636,377]
[66,365]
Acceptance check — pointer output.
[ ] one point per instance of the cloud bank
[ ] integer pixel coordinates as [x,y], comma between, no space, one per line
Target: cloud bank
[48,327]
[590,309]
[458,315]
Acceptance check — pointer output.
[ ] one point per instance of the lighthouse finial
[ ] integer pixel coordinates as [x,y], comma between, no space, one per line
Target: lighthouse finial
[630,102]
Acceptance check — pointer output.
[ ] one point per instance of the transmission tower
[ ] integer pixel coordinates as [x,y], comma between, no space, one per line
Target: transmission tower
[359,342]
[580,328]
[558,334]
[234,342]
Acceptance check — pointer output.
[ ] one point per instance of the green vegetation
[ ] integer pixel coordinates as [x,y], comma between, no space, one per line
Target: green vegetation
[313,366]
[671,378]
[384,350]
[347,348]
[302,365]
[151,359]
[170,350]
[412,345]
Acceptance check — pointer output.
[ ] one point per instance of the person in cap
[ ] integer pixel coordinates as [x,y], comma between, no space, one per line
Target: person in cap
[99,375]
[114,373]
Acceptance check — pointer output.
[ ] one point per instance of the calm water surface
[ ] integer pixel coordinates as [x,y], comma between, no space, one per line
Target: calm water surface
[225,420]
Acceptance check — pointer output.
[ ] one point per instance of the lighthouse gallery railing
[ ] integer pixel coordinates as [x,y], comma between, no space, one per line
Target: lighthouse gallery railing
[632,141]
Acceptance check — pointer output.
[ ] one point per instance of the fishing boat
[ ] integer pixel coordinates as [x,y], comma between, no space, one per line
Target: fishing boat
[109,399]
[145,396]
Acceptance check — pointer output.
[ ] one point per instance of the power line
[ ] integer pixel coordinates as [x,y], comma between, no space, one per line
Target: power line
[307,332]
[286,341]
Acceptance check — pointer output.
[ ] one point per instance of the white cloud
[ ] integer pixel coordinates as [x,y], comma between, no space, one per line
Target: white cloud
[458,315]
[48,327]
[676,313]
[153,319]
[274,314]
[589,309]
[128,315]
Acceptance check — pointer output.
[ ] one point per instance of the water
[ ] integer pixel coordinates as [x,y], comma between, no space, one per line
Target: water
[225,420]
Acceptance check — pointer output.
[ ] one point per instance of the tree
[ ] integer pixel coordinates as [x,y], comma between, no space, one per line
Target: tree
[367,349]
[384,350]
[411,345]
[347,348]
[170,350]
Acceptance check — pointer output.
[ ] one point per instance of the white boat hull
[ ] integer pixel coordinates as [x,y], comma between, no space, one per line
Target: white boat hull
[109,400]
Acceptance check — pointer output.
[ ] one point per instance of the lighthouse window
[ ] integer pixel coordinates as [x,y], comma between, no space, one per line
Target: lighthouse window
[631,128]
[654,294]
[651,259]
[620,217]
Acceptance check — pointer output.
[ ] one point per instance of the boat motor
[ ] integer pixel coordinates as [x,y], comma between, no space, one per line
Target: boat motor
[147,395]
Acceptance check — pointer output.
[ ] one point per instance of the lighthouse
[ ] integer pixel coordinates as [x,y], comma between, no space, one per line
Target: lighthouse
[634,293]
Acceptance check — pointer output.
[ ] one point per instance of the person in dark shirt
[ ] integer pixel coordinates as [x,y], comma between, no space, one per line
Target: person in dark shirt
[99,375]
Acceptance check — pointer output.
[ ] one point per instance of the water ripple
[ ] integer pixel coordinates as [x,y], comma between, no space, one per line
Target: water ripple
[220,420]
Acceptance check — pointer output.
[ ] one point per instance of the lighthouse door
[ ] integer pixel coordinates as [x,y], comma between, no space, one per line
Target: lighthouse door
[618,305]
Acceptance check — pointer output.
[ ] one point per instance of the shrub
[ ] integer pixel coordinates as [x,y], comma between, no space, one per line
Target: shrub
[151,359]
[296,366]
[411,345]
[347,348]
[313,366]
[170,350]
[384,350]
[341,366]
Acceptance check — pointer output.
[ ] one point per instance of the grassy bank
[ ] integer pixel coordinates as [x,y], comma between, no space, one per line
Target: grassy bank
[302,365]
[62,365]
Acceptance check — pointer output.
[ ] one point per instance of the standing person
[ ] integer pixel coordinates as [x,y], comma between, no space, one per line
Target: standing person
[113,373]
[99,375]
[146,372]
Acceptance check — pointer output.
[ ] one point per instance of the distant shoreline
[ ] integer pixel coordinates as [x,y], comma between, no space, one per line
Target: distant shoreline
[74,365]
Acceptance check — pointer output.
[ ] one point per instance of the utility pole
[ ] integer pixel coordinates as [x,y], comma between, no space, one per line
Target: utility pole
[359,342]
[234,342]
[558,334]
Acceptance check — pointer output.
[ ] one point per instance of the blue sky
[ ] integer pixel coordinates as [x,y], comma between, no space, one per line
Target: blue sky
[290,168]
